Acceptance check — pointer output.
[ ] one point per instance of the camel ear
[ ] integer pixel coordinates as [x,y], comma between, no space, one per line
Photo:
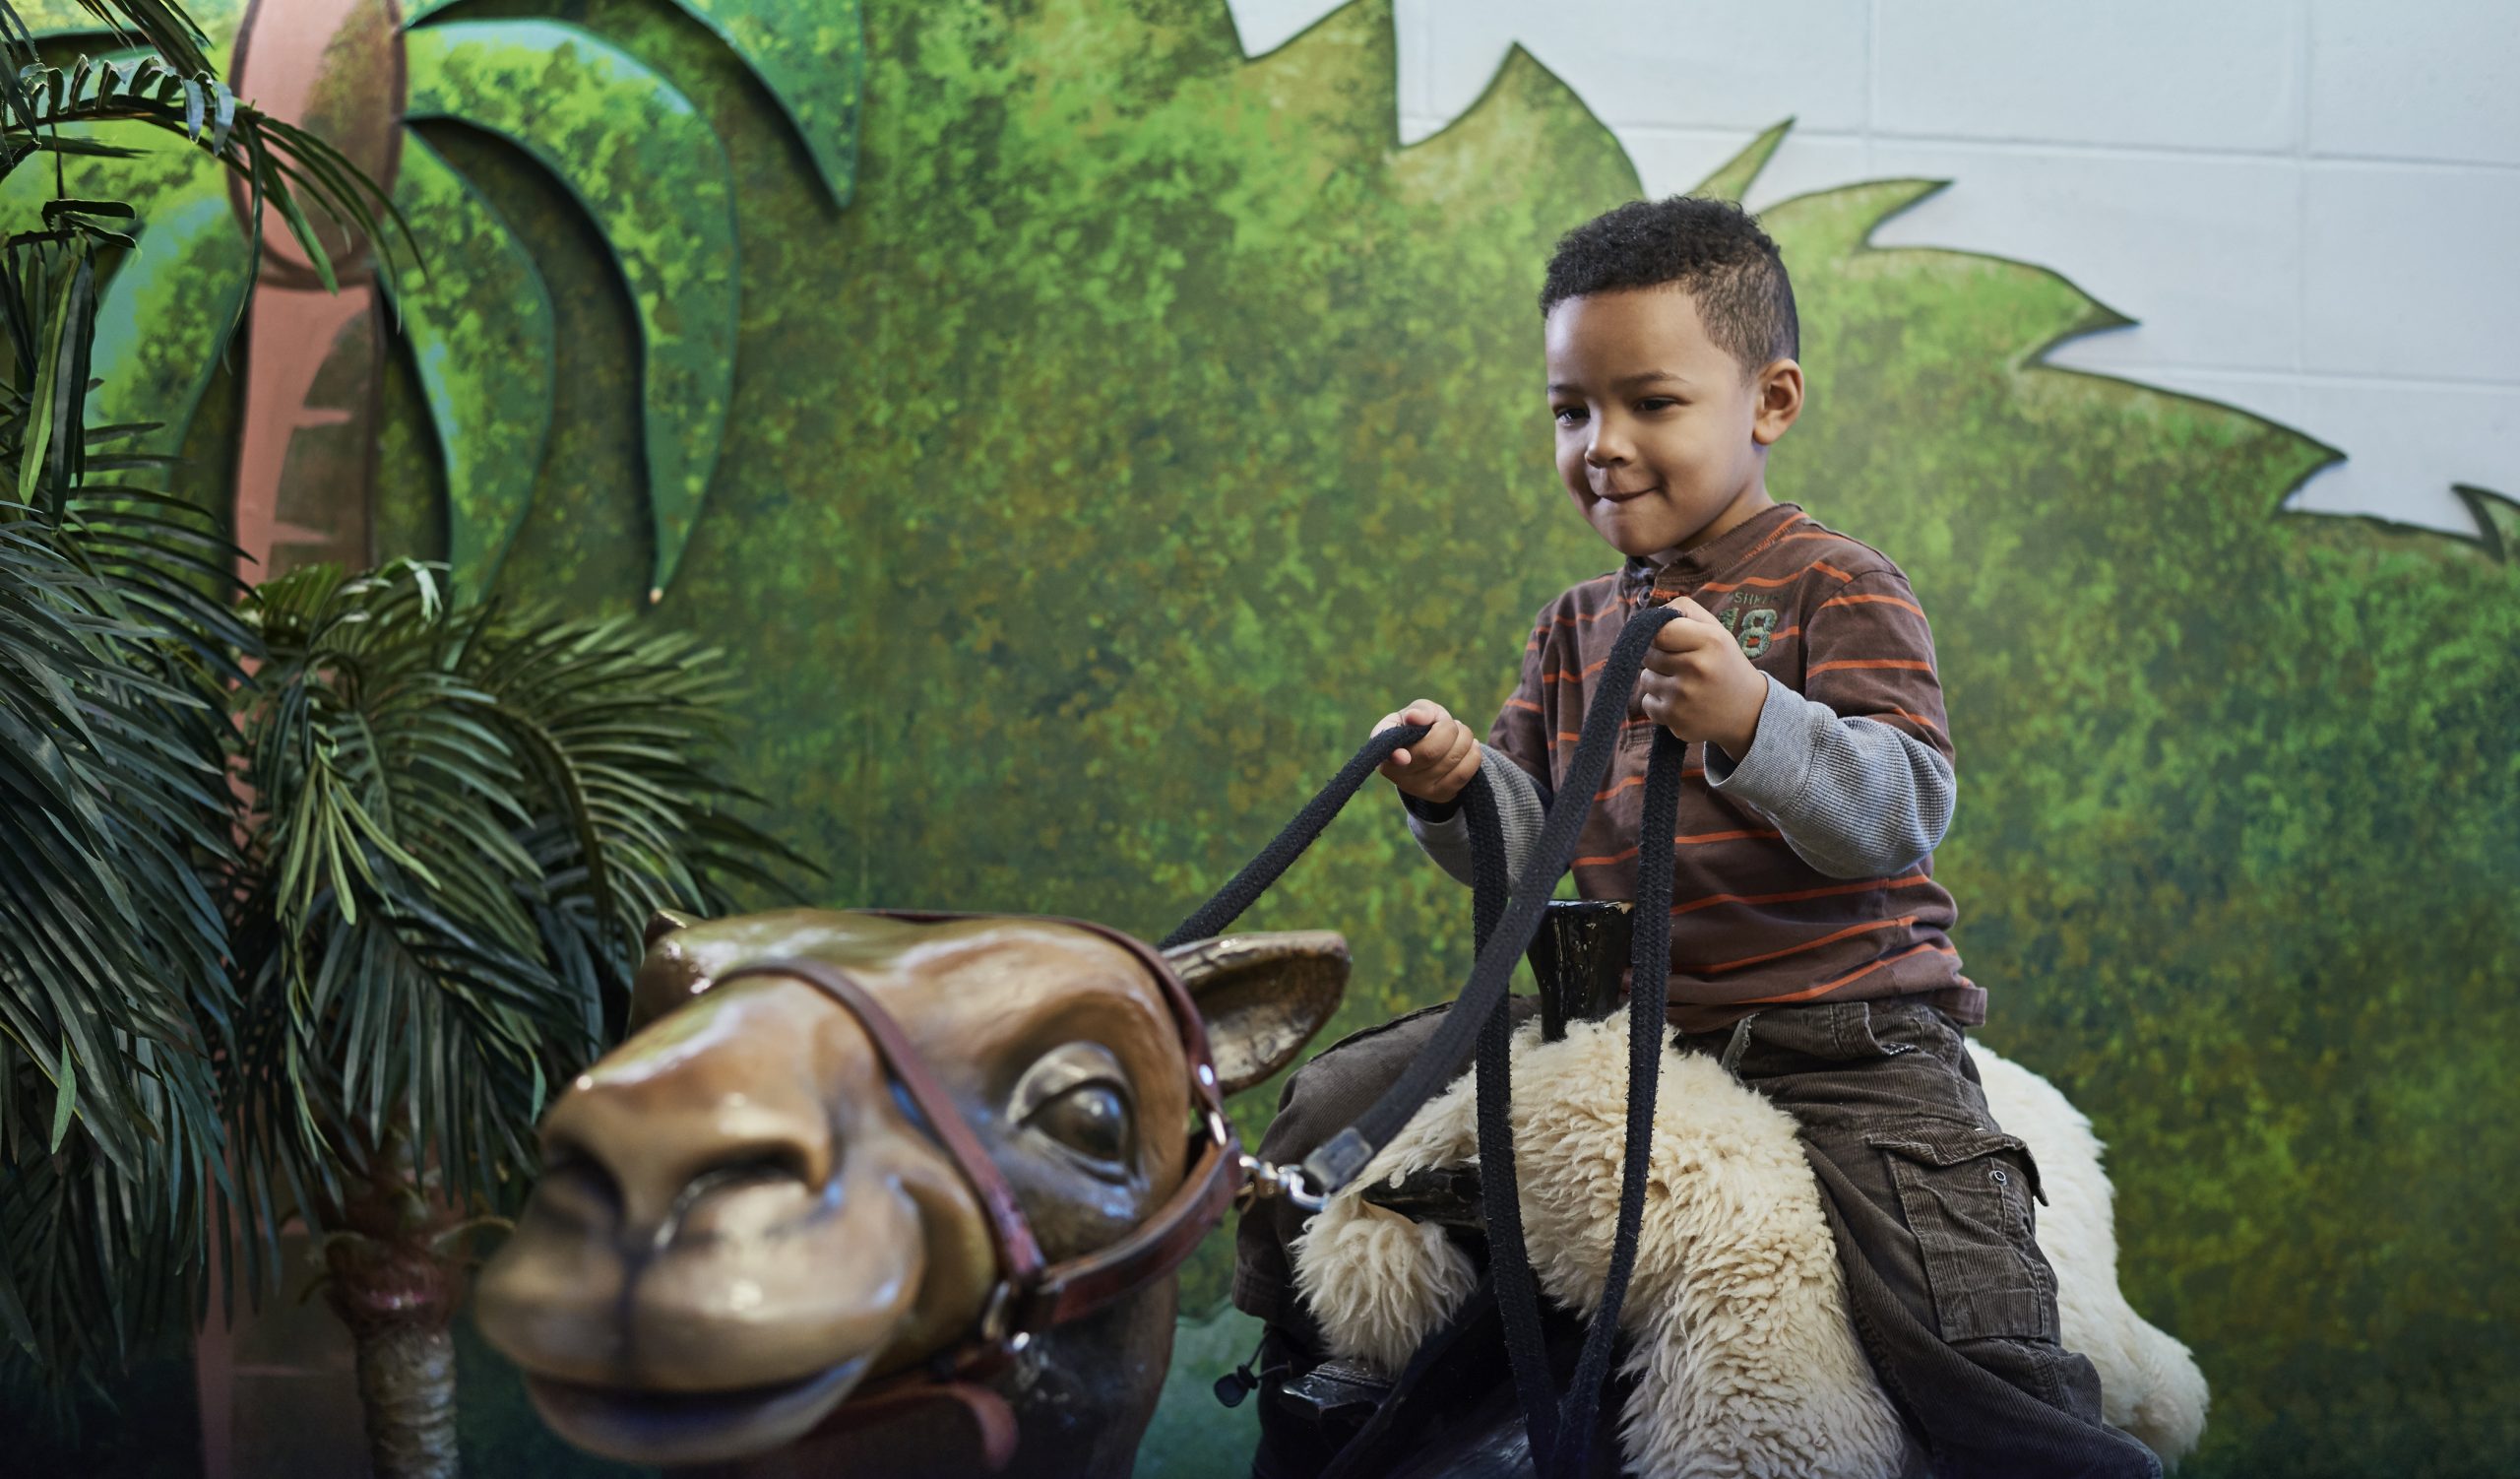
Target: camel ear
[665,922]
[1262,995]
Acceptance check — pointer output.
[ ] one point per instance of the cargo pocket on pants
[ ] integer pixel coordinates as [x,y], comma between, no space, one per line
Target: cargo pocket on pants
[1966,1194]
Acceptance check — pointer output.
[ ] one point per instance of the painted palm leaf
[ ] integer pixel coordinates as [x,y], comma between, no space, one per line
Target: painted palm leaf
[47,19]
[478,323]
[810,55]
[638,156]
[645,164]
[164,315]
[191,260]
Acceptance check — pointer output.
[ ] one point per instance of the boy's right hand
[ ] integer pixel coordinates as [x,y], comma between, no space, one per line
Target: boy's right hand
[1438,767]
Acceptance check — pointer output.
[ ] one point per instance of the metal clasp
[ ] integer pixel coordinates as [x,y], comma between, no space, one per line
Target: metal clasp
[1263,1181]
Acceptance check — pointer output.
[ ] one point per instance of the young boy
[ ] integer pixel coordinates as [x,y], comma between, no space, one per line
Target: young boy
[1808,936]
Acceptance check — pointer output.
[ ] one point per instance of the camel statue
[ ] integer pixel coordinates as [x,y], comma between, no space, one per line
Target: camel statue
[751,1233]
[743,1220]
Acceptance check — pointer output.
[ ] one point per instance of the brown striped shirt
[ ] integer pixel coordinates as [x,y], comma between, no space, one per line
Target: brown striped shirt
[1757,919]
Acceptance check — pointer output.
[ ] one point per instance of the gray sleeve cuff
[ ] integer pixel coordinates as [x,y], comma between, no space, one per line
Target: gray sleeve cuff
[1854,799]
[1517,807]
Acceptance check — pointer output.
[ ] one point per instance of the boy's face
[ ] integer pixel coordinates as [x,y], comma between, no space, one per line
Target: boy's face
[1662,434]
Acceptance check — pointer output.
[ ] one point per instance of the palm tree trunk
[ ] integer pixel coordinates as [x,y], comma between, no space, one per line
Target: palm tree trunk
[407,1384]
[394,1288]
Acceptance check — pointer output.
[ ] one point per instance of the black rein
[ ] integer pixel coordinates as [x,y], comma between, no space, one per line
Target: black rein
[1505,915]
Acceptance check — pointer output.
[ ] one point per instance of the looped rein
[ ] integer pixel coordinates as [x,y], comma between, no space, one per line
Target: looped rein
[1506,913]
[1031,1297]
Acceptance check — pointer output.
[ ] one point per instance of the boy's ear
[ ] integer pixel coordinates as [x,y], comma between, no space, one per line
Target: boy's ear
[1778,398]
[1263,997]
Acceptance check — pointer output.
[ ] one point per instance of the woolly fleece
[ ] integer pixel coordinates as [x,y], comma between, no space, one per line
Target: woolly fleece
[1735,1316]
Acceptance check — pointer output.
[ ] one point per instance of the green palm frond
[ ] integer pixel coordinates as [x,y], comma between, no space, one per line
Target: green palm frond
[114,649]
[466,815]
[51,110]
[647,166]
[118,648]
[188,38]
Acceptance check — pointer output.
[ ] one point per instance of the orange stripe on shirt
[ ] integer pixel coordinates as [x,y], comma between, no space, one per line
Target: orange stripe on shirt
[1522,703]
[1859,600]
[1911,880]
[1826,987]
[1919,720]
[1816,669]
[1638,780]
[1569,737]
[1867,928]
[1558,676]
[1694,840]
[1771,582]
[1775,536]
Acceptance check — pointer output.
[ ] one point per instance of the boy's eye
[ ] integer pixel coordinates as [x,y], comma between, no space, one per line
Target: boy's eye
[1568,415]
[1656,403]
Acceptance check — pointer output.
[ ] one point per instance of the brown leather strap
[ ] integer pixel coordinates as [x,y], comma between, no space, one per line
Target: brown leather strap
[1154,1249]
[1018,1255]
[1185,1013]
[1035,1297]
[1166,1240]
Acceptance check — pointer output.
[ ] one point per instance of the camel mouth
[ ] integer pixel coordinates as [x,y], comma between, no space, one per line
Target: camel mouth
[642,1425]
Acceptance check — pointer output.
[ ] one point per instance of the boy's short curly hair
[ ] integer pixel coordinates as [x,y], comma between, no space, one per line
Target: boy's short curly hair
[1710,249]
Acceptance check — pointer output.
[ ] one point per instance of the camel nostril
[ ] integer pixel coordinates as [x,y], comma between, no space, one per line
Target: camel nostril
[768,1164]
[764,1168]
[578,1183]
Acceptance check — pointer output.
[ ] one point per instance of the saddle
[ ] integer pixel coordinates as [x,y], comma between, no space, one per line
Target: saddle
[1454,1410]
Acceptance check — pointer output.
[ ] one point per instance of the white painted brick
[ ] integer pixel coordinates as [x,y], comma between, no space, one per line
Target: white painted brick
[2409,272]
[1670,160]
[2180,74]
[1668,63]
[1267,24]
[2271,396]
[2446,87]
[2205,254]
[2405,445]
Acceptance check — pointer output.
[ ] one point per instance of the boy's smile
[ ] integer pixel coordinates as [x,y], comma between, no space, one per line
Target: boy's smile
[1662,433]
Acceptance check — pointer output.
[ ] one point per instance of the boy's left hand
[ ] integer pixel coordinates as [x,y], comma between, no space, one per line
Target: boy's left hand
[1697,684]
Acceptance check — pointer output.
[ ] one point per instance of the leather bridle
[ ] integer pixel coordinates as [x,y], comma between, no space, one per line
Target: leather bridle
[1032,1296]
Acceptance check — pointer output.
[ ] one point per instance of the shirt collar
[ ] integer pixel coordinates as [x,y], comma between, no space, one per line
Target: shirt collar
[1692,568]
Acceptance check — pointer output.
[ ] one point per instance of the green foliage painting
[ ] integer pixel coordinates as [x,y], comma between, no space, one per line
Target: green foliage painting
[622,141]
[1150,420]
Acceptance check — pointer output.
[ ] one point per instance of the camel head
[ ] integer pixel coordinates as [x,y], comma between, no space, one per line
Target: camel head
[745,1216]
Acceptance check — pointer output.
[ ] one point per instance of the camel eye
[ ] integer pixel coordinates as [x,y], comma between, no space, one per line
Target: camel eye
[1091,1119]
[1078,1096]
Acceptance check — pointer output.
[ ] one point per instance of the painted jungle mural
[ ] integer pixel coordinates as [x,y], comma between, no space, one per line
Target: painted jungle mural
[1077,430]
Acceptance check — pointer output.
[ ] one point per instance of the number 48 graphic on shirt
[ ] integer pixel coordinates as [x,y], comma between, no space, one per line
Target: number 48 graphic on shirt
[1754,627]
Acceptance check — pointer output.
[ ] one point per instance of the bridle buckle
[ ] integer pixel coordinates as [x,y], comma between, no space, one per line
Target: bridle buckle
[997,1321]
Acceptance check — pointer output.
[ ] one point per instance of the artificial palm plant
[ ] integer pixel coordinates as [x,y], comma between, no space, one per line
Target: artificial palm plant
[464,816]
[339,991]
[116,644]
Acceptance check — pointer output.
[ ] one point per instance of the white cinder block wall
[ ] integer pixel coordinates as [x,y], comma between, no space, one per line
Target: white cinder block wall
[2311,207]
